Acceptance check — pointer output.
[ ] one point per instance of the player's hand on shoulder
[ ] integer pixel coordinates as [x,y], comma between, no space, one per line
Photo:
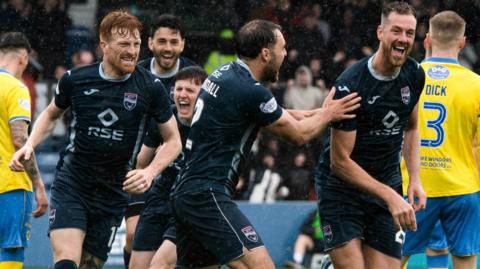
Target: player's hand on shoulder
[416,195]
[402,212]
[23,154]
[341,109]
[41,199]
[138,181]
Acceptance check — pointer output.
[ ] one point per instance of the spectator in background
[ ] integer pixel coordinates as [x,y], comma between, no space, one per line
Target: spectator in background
[224,54]
[266,182]
[16,15]
[302,95]
[299,181]
[308,242]
[50,22]
[307,38]
[82,58]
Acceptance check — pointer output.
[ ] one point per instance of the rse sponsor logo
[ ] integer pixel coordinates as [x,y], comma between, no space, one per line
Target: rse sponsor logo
[438,72]
[250,233]
[107,118]
[270,106]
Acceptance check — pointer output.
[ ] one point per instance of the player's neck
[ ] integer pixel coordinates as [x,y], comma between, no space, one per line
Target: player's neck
[162,71]
[110,72]
[11,67]
[445,54]
[381,65]
[255,67]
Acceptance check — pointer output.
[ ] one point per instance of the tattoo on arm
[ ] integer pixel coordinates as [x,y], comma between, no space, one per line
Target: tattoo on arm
[19,131]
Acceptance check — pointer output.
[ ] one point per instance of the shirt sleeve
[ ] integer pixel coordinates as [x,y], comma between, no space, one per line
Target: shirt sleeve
[160,104]
[420,82]
[153,139]
[63,92]
[18,103]
[342,89]
[262,106]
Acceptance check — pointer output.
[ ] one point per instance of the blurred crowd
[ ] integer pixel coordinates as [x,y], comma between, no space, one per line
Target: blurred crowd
[323,38]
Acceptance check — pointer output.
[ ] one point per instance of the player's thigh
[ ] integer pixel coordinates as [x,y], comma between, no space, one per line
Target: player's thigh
[150,231]
[216,225]
[141,259]
[101,231]
[348,255]
[460,219]
[375,259]
[438,240]
[15,218]
[382,234]
[130,226]
[257,258]
[165,257]
[342,217]
[427,221]
[67,244]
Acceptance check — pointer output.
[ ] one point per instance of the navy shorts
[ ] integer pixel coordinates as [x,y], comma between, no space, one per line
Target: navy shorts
[347,215]
[136,203]
[211,229]
[74,209]
[155,225]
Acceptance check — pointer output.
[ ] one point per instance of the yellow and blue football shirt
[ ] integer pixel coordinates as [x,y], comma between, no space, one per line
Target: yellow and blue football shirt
[448,113]
[15,105]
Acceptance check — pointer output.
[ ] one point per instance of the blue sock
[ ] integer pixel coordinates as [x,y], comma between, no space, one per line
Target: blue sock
[439,261]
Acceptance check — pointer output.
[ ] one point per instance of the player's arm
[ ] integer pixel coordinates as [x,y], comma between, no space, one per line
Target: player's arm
[342,165]
[19,133]
[301,131]
[145,156]
[42,129]
[139,180]
[411,155]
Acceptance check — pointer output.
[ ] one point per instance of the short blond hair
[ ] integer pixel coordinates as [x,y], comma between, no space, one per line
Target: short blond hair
[446,28]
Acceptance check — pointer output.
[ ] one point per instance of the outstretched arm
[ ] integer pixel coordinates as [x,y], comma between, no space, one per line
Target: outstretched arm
[41,130]
[139,180]
[301,131]
[342,144]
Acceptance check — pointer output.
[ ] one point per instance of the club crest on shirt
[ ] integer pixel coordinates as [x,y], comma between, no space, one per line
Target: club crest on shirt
[270,106]
[327,233]
[250,233]
[130,100]
[405,92]
[51,216]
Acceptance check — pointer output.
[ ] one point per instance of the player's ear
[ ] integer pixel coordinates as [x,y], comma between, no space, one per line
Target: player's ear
[379,32]
[462,42]
[150,43]
[182,44]
[427,42]
[265,54]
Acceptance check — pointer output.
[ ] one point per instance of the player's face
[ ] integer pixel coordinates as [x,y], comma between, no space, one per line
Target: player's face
[277,54]
[396,37]
[185,95]
[166,45]
[121,51]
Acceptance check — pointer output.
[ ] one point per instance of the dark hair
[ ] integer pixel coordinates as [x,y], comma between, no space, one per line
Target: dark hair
[402,8]
[195,73]
[254,36]
[13,41]
[119,20]
[168,21]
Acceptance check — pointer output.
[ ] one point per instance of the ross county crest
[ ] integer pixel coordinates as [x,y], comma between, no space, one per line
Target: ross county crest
[130,100]
[250,233]
[405,92]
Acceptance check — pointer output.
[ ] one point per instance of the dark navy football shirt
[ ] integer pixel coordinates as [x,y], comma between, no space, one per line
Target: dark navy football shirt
[168,79]
[229,111]
[163,183]
[386,105]
[107,126]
